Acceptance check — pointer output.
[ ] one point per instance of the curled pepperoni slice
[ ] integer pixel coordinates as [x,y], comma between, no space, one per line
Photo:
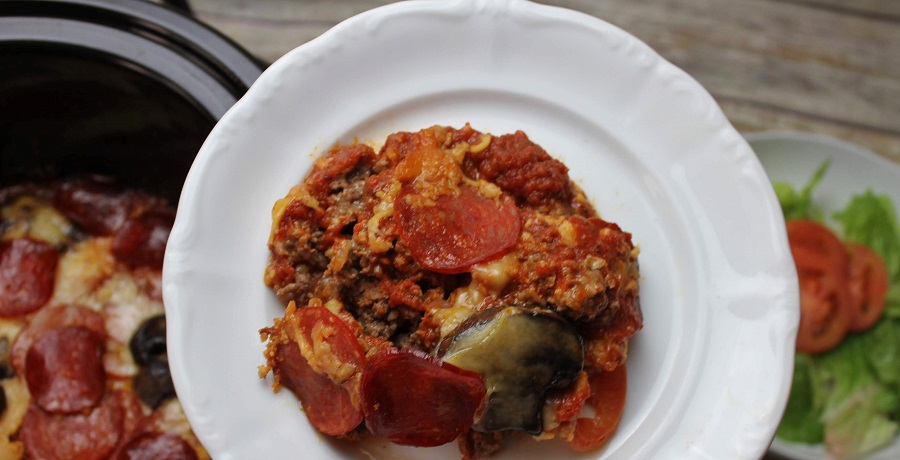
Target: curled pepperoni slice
[568,401]
[327,404]
[81,436]
[320,374]
[141,241]
[27,275]
[64,370]
[459,230]
[328,336]
[52,318]
[95,203]
[154,446]
[607,398]
[413,399]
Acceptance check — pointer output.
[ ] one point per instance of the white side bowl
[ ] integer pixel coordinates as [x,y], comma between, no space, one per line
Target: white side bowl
[792,157]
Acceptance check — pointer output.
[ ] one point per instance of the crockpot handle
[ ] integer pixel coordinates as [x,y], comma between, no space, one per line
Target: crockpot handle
[180,4]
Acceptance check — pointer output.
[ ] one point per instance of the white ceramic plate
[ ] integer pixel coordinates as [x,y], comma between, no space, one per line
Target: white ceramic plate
[793,157]
[708,374]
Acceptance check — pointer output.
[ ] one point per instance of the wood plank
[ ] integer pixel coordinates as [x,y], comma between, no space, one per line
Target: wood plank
[887,10]
[779,65]
[823,65]
[748,117]
[270,28]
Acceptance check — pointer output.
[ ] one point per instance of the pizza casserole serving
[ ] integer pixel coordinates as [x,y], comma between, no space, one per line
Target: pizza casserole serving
[452,286]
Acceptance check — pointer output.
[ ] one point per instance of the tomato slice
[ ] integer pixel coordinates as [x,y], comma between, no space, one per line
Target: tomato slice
[823,267]
[459,230]
[868,286]
[824,317]
[608,391]
[414,399]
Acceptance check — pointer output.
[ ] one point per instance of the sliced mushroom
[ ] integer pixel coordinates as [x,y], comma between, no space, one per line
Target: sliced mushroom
[520,354]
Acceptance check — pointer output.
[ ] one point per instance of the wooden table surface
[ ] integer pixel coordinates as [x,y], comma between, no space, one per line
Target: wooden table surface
[822,66]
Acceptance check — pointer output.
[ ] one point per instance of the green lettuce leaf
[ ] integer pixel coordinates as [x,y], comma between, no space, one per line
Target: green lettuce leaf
[857,407]
[870,219]
[883,343]
[844,374]
[892,302]
[849,397]
[799,204]
[801,417]
[860,427]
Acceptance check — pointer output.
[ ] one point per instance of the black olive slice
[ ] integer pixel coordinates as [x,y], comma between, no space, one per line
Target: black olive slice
[153,383]
[6,369]
[520,354]
[148,343]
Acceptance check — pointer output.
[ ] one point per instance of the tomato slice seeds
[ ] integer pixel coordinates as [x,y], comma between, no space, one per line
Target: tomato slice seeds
[842,286]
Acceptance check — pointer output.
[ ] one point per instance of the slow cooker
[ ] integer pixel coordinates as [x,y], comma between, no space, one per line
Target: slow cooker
[123,88]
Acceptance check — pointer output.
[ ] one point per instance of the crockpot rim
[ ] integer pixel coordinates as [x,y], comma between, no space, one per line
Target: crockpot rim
[208,49]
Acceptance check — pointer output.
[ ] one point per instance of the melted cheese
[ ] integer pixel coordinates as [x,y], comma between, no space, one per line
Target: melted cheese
[496,274]
[384,209]
[482,144]
[125,306]
[297,193]
[567,233]
[463,302]
[17,402]
[81,270]
[32,217]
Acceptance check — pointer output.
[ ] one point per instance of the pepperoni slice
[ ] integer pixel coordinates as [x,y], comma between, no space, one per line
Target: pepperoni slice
[52,318]
[328,333]
[321,375]
[95,203]
[327,404]
[413,399]
[459,230]
[91,436]
[155,446]
[568,401]
[64,370]
[132,417]
[608,390]
[27,275]
[141,241]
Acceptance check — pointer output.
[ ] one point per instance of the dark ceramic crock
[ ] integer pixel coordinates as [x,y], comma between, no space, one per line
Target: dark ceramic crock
[123,88]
